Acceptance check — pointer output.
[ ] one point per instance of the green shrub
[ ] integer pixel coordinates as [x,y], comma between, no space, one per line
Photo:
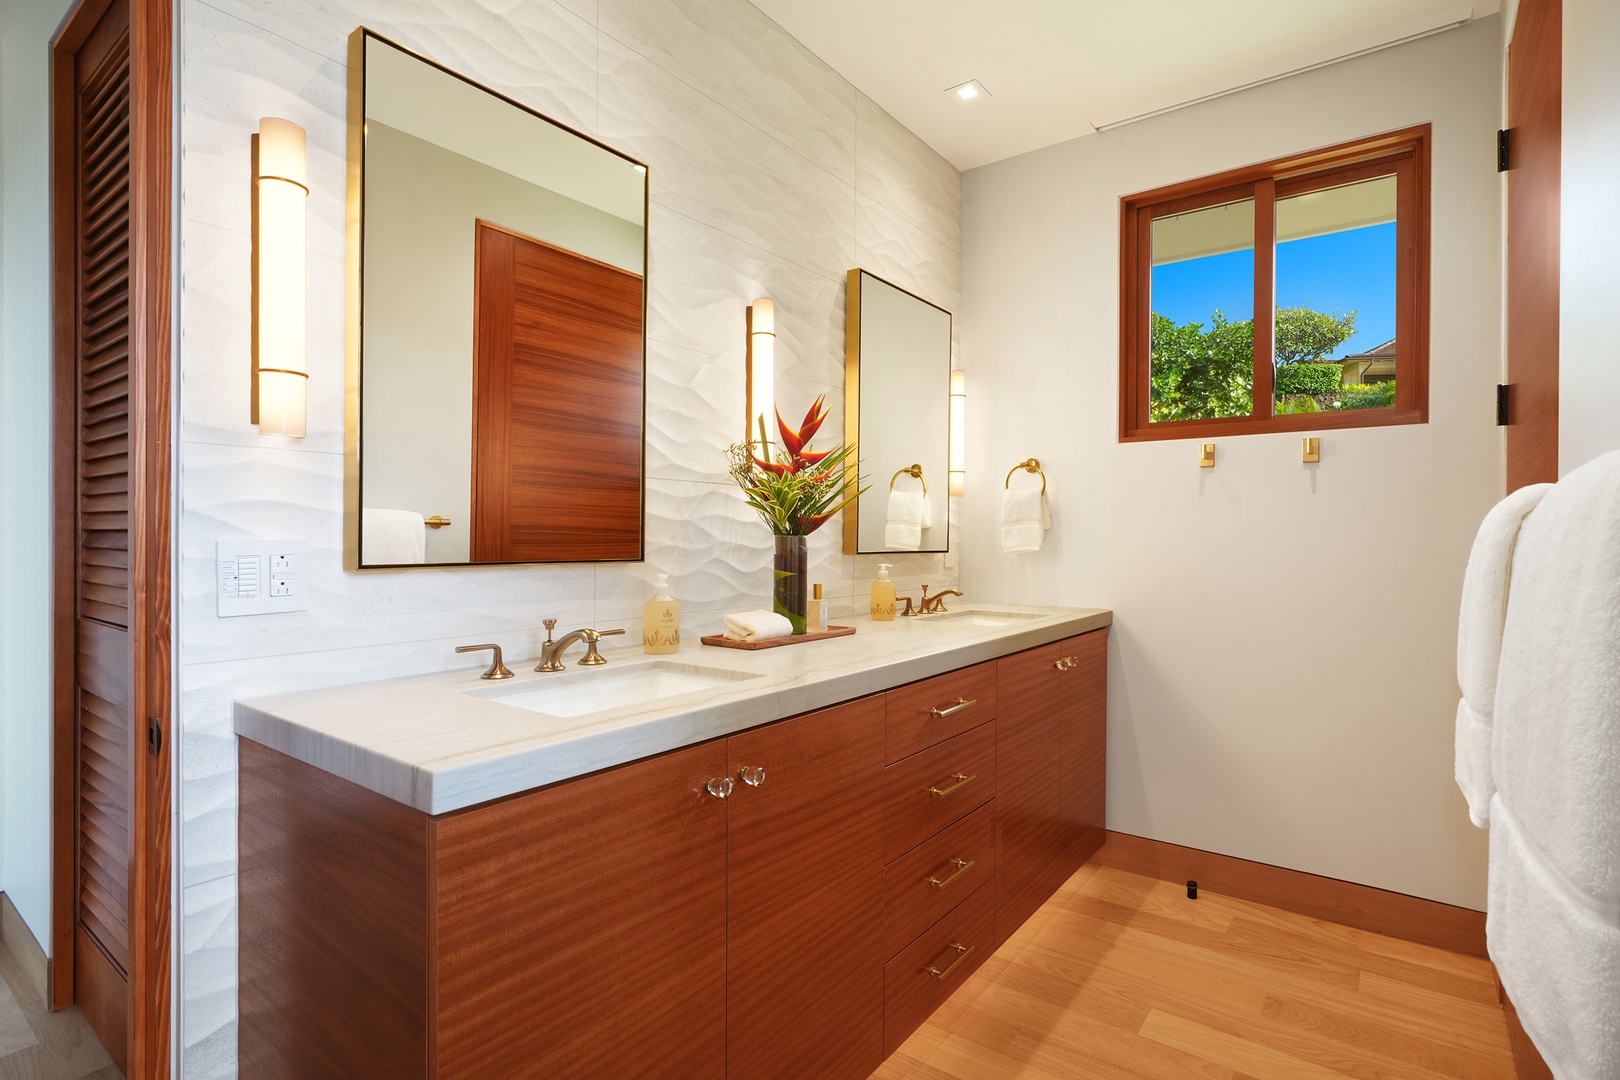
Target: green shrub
[1299,404]
[1368,396]
[1309,379]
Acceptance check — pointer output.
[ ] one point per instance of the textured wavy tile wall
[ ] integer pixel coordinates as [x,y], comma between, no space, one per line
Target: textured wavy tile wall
[771,176]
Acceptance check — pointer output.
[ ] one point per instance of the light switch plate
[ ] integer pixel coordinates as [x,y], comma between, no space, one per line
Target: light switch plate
[261,577]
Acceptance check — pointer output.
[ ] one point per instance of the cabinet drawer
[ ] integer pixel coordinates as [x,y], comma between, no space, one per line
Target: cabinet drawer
[928,791]
[912,719]
[933,877]
[918,981]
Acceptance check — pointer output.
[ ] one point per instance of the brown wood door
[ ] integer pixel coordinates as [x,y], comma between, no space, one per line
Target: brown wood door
[557,404]
[1535,119]
[1028,803]
[1083,746]
[111,123]
[805,885]
[581,930]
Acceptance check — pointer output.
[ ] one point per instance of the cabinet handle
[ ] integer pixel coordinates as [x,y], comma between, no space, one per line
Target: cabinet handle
[962,781]
[961,703]
[719,787]
[962,867]
[752,775]
[1074,661]
[964,951]
[1061,663]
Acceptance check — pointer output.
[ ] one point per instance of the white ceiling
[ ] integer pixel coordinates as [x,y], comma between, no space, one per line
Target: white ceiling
[1056,69]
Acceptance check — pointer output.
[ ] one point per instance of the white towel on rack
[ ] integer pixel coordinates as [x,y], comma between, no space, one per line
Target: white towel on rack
[1025,518]
[392,537]
[757,626]
[1479,643]
[907,509]
[1554,924]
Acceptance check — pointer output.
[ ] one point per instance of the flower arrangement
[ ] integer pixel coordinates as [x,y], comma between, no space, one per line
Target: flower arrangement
[796,490]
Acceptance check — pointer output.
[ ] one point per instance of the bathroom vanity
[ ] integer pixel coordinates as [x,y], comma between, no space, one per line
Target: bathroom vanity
[756,865]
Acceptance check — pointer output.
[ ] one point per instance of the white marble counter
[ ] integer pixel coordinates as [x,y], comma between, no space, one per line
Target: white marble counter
[439,743]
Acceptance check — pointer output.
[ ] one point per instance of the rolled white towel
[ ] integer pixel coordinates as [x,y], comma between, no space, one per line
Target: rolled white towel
[907,509]
[1025,517]
[1479,643]
[757,626]
[392,537]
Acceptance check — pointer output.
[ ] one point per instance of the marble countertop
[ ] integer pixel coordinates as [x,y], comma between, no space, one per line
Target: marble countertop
[442,742]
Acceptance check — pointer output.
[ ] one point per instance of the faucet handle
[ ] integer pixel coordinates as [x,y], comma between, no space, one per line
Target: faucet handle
[592,657]
[497,670]
[551,624]
[908,611]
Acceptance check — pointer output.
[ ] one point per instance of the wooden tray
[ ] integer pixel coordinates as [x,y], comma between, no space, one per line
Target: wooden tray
[792,639]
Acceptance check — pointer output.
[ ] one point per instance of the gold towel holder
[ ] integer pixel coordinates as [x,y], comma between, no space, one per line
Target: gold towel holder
[437,522]
[911,470]
[1032,466]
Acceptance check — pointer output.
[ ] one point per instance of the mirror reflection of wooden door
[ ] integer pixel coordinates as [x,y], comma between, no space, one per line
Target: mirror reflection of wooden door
[557,404]
[1535,121]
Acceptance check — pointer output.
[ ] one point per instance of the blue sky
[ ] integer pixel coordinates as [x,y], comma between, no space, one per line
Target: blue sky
[1345,271]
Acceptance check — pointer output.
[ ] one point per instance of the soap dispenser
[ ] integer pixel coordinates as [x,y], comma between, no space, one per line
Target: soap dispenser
[661,620]
[883,595]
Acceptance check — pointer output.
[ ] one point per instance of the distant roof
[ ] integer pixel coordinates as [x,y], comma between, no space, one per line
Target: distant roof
[1383,352]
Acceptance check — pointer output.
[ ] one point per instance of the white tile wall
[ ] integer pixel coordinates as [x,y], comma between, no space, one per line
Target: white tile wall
[771,176]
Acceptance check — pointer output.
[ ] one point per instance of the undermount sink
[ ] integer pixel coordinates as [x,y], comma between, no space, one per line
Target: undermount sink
[579,693]
[985,616]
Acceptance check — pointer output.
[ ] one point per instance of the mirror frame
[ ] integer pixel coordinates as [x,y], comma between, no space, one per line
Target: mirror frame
[852,406]
[354,280]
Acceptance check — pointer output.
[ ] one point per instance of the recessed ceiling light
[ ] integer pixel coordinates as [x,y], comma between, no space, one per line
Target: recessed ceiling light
[969,90]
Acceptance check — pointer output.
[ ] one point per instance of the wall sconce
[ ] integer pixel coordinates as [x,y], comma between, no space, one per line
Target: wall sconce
[280,366]
[958,454]
[760,394]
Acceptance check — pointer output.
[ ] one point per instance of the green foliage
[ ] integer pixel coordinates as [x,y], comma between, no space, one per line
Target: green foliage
[1300,404]
[1309,379]
[1200,375]
[1305,336]
[1368,396]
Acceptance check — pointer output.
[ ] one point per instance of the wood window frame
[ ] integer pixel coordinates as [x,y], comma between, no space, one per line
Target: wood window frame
[1406,153]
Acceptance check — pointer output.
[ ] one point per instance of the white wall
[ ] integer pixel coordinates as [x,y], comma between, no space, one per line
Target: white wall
[771,176]
[1589,275]
[25,464]
[1282,681]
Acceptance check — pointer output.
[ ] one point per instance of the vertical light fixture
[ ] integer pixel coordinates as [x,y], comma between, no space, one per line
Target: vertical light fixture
[958,431]
[761,390]
[280,367]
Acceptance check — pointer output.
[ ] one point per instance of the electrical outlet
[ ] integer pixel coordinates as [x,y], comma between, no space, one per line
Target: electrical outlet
[261,577]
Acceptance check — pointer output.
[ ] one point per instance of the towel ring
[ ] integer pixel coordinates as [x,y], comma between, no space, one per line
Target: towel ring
[914,470]
[1030,466]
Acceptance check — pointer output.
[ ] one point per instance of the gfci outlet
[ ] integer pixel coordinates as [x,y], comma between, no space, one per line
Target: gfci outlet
[261,577]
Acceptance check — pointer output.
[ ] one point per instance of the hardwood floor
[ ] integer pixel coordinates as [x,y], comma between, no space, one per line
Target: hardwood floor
[36,1044]
[1121,976]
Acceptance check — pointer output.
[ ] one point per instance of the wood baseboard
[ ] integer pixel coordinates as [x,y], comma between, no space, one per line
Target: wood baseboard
[1364,907]
[24,948]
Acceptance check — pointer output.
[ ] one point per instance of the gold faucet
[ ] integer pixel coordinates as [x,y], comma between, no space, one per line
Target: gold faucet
[551,652]
[931,604]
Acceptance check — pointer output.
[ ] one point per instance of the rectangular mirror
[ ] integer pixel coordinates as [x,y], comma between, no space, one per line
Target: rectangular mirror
[497,339]
[897,385]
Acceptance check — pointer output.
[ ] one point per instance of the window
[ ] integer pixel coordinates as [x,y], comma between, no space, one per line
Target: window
[1287,296]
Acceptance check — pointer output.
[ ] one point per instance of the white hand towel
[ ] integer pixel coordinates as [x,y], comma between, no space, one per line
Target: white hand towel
[1479,643]
[757,626]
[906,512]
[392,538]
[1025,517]
[927,512]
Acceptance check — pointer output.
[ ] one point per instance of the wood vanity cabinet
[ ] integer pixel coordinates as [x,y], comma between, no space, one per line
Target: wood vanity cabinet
[632,923]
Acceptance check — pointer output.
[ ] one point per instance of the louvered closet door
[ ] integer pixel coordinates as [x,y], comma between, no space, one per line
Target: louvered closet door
[107,747]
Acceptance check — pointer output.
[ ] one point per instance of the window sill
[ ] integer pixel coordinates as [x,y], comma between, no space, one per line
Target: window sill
[1294,422]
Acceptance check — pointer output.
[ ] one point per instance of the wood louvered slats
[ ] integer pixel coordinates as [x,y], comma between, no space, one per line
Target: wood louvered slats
[106,732]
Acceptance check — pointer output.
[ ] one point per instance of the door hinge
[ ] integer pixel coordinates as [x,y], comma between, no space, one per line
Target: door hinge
[154,736]
[1503,400]
[1502,143]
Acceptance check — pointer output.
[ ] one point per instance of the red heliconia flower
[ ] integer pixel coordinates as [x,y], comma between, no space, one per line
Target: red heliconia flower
[794,442]
[790,438]
[807,459]
[773,468]
[811,524]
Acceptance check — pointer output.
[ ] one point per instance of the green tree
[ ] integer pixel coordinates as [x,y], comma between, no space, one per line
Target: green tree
[1305,336]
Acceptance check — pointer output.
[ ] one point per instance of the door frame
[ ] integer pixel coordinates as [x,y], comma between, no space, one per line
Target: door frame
[151,439]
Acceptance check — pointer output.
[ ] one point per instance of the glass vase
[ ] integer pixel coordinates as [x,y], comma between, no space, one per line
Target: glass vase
[791,591]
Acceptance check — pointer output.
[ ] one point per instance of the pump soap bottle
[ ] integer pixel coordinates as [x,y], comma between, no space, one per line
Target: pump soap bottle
[818,612]
[883,595]
[661,620]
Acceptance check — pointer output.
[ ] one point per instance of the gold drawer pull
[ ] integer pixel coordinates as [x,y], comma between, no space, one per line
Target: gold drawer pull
[965,951]
[961,703]
[962,867]
[962,781]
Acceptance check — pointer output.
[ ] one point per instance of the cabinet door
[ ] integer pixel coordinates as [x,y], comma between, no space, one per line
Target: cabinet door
[581,930]
[805,878]
[1028,815]
[1083,747]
